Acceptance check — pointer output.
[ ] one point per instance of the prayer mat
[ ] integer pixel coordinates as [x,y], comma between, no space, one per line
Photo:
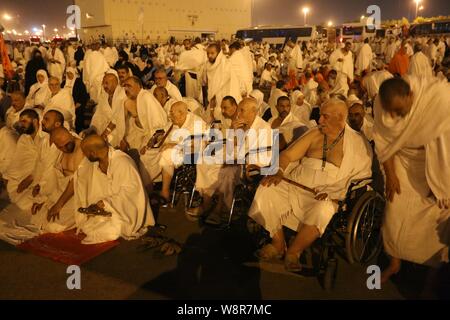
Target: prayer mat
[65,247]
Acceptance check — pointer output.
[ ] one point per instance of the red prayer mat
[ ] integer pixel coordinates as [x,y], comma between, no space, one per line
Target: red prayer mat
[65,247]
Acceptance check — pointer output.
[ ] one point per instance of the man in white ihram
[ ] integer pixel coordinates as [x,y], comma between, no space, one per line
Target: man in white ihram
[277,203]
[221,79]
[342,60]
[109,117]
[108,181]
[412,134]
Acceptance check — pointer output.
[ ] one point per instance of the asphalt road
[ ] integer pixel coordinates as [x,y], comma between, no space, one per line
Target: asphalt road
[214,264]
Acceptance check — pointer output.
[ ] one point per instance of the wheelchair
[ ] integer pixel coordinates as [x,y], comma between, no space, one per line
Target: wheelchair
[185,176]
[353,233]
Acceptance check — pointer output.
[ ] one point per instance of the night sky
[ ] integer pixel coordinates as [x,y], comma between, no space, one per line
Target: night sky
[53,13]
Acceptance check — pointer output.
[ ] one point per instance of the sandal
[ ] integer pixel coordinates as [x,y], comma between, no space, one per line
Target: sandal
[157,199]
[268,253]
[292,262]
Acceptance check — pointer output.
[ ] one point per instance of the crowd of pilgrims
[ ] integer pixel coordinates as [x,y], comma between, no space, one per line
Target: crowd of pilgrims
[88,130]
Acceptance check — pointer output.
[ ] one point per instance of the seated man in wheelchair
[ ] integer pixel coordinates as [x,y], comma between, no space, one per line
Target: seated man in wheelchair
[173,152]
[304,200]
[211,176]
[249,132]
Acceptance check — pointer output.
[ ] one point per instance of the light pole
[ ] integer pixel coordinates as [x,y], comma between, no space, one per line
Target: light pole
[43,32]
[417,6]
[7,17]
[305,12]
[253,15]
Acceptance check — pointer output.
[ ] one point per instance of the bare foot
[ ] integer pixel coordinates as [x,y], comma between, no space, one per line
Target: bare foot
[393,268]
[165,195]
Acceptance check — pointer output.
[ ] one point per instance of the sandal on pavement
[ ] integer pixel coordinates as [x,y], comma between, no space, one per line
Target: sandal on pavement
[292,262]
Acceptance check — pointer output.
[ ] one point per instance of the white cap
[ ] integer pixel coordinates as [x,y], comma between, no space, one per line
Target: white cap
[353,99]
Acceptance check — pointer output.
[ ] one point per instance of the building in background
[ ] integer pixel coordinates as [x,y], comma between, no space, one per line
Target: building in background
[158,20]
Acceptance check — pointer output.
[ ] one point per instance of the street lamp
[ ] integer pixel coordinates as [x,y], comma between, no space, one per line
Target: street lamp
[305,12]
[330,23]
[417,6]
[7,17]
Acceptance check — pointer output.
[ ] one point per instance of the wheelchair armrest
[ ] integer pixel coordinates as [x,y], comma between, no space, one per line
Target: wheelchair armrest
[359,183]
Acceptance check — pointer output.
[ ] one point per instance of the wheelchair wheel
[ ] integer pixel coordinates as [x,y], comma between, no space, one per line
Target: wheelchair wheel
[363,236]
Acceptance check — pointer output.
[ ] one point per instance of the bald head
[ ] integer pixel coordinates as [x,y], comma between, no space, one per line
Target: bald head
[333,116]
[337,106]
[110,83]
[93,142]
[181,106]
[94,147]
[247,111]
[63,140]
[356,114]
[396,96]
[249,103]
[178,113]
[161,94]
[52,119]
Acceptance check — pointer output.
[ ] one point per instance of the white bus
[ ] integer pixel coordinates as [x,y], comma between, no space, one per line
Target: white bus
[280,35]
[354,32]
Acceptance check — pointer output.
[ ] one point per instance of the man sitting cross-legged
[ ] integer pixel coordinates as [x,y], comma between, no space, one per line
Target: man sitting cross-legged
[347,156]
[50,204]
[109,195]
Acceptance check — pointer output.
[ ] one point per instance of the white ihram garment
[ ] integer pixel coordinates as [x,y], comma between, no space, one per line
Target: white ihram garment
[288,205]
[123,194]
[415,229]
[115,113]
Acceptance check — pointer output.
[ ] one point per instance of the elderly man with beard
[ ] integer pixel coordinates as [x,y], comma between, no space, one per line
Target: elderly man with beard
[144,116]
[221,79]
[109,117]
[61,100]
[163,82]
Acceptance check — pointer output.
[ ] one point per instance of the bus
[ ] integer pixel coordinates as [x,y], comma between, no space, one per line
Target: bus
[35,40]
[436,28]
[280,35]
[354,32]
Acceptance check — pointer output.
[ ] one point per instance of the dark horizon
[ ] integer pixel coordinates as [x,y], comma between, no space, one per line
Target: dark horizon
[29,14]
